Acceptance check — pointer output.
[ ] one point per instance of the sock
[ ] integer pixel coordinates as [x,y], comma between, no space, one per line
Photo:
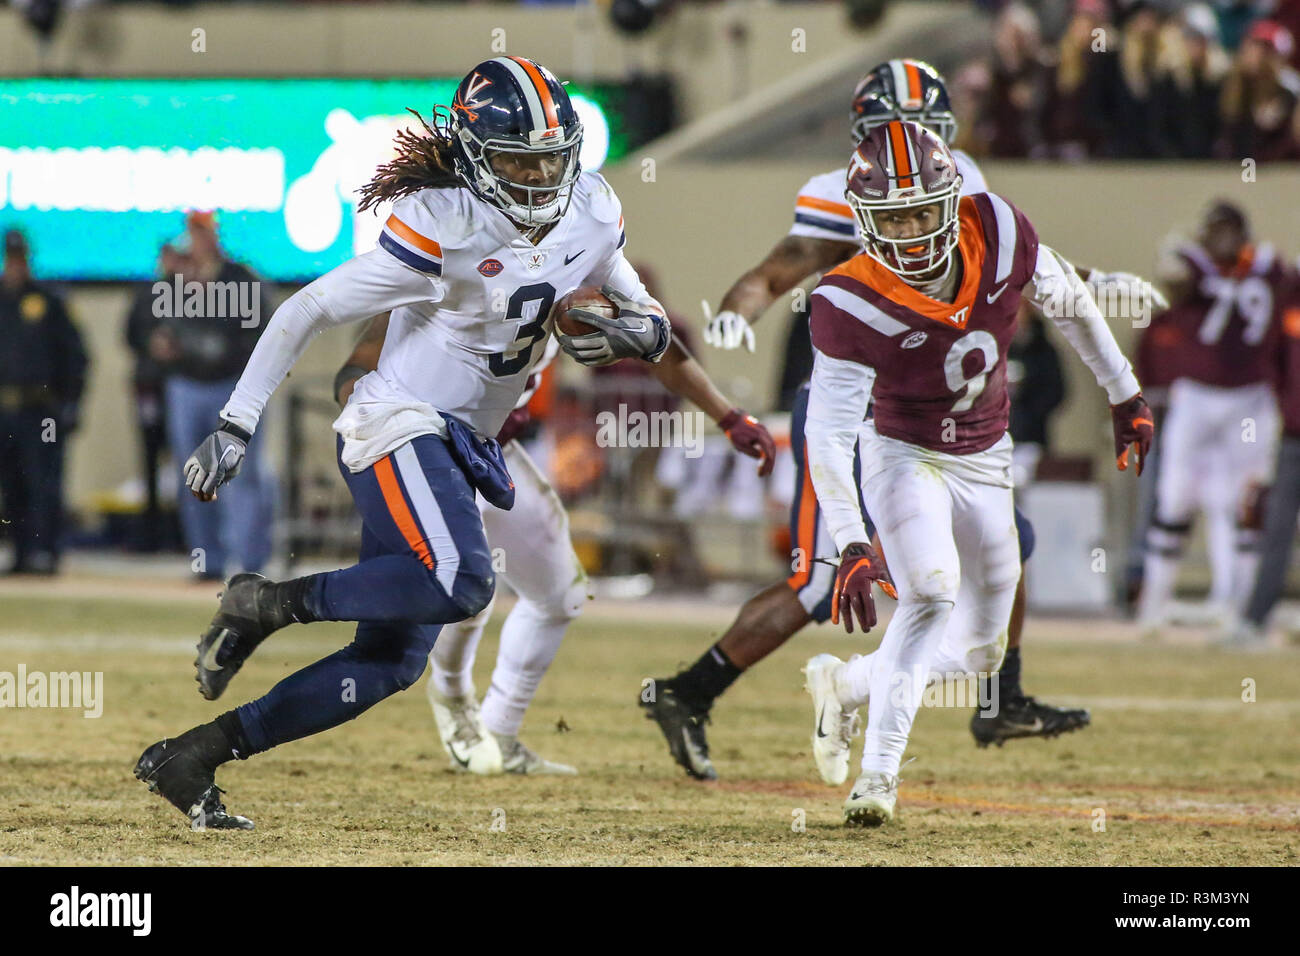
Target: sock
[530,639]
[287,602]
[1009,677]
[218,741]
[706,679]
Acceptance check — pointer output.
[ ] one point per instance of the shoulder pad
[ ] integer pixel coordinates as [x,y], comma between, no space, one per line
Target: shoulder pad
[829,186]
[445,215]
[602,201]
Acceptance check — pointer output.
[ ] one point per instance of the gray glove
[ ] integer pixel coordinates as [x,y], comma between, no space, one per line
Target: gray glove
[635,333]
[216,460]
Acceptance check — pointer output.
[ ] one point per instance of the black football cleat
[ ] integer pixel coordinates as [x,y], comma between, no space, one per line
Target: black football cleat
[683,727]
[1025,717]
[244,619]
[175,772]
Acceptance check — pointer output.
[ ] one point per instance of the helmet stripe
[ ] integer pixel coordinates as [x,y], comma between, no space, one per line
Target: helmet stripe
[913,85]
[899,150]
[527,90]
[898,72]
[550,113]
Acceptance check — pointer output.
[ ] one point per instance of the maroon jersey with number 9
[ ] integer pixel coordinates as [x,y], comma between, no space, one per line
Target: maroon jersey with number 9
[941,367]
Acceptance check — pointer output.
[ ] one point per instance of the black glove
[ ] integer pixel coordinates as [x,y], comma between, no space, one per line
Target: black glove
[635,333]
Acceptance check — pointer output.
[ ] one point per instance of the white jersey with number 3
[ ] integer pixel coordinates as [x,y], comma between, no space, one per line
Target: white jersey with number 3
[470,300]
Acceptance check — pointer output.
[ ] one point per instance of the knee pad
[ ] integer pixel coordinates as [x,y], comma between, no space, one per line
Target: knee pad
[409,669]
[473,589]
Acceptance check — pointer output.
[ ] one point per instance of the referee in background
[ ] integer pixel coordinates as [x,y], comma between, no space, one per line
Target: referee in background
[42,375]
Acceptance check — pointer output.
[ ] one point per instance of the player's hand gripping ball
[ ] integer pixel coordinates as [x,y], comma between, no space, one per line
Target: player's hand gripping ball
[600,326]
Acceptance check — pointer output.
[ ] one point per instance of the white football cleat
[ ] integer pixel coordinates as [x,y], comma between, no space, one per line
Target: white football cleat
[834,728]
[871,802]
[1243,636]
[469,745]
[516,758]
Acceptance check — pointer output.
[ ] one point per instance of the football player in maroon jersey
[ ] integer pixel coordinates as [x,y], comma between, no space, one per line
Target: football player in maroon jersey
[919,325]
[1219,341]
[823,235]
[1282,504]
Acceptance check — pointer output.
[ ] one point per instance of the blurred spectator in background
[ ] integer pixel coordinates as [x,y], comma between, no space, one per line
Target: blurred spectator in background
[1192,69]
[42,375]
[1079,100]
[1137,117]
[1008,123]
[1259,98]
[1236,16]
[1287,13]
[1037,389]
[202,347]
[148,383]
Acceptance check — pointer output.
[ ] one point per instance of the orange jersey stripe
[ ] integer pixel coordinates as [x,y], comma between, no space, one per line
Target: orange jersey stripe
[825,205]
[970,247]
[401,229]
[898,146]
[543,91]
[804,532]
[401,514]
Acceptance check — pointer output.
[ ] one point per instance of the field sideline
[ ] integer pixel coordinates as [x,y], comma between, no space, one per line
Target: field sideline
[1186,772]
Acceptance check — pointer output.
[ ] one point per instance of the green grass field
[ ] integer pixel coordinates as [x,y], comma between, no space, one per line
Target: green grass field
[1185,771]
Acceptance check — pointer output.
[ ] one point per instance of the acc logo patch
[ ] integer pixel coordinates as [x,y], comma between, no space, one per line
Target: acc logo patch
[490,267]
[913,340]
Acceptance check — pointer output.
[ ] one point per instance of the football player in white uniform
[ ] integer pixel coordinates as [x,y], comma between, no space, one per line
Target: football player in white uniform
[823,235]
[539,563]
[492,221]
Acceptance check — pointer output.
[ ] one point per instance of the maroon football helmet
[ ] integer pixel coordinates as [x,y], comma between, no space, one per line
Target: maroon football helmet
[899,168]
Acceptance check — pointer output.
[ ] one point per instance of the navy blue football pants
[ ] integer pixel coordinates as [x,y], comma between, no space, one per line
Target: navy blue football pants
[424,563]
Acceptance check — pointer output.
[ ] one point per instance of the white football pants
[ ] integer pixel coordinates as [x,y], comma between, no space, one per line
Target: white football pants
[947,526]
[532,552]
[1214,442]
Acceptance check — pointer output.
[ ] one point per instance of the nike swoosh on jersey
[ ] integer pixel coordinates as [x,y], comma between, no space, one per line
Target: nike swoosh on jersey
[568,259]
[994,296]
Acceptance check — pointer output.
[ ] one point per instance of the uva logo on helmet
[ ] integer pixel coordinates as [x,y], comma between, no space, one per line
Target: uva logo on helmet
[467,100]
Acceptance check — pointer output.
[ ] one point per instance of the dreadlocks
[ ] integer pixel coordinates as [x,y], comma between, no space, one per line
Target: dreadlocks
[424,161]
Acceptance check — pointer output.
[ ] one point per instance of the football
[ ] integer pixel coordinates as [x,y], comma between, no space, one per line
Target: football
[587,297]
